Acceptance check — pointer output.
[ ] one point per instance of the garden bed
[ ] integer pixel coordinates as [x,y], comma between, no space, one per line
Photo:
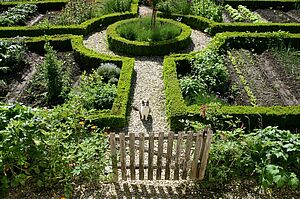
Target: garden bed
[278,16]
[267,78]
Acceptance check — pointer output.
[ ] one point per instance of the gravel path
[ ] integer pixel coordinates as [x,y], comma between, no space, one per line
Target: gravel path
[148,82]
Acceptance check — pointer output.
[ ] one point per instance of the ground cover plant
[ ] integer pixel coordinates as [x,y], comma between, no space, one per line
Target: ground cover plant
[142,30]
[18,15]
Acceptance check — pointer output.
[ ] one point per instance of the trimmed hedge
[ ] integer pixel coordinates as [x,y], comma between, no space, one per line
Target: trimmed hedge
[253,27]
[253,117]
[122,45]
[42,6]
[195,22]
[84,29]
[116,117]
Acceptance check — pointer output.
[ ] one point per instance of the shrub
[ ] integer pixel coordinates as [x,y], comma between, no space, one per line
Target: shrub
[110,72]
[51,83]
[93,93]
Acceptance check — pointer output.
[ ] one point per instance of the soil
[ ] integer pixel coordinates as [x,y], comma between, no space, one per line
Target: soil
[279,16]
[19,83]
[267,79]
[241,98]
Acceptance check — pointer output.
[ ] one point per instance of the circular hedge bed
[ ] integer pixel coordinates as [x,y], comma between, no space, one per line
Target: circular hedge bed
[177,37]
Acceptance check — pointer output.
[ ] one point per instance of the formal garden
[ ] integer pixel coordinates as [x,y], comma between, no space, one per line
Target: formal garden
[72,72]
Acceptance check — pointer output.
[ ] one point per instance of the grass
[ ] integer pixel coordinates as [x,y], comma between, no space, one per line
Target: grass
[142,30]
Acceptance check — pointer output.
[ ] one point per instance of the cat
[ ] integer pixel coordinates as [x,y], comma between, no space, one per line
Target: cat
[144,109]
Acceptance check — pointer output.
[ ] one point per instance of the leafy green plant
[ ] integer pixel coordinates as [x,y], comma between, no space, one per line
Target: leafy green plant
[75,12]
[93,93]
[112,6]
[51,82]
[234,14]
[270,155]
[11,56]
[250,16]
[17,15]
[49,147]
[206,8]
[142,30]
[208,76]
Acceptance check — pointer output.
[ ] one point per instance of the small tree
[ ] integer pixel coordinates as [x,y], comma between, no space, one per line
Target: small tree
[153,4]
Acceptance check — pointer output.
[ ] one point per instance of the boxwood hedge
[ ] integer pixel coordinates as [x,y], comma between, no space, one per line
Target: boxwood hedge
[122,45]
[176,109]
[116,117]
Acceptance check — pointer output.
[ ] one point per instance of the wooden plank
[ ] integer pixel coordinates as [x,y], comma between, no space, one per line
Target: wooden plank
[177,156]
[169,155]
[123,156]
[205,154]
[197,153]
[150,156]
[141,155]
[132,155]
[112,142]
[159,155]
[189,142]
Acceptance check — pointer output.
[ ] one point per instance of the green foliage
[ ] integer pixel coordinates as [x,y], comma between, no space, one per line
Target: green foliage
[270,155]
[141,30]
[49,147]
[249,16]
[122,45]
[11,56]
[51,82]
[208,75]
[112,6]
[93,93]
[17,15]
[207,8]
[110,72]
[75,12]
[203,8]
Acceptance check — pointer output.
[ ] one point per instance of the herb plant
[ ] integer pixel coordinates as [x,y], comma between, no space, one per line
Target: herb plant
[17,15]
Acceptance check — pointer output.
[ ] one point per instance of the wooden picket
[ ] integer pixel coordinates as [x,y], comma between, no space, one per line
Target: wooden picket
[169,156]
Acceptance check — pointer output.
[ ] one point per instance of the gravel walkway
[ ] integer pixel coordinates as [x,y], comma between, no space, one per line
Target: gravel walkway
[148,82]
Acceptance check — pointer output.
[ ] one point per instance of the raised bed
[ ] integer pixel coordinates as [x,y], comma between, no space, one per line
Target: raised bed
[285,112]
[71,47]
[123,45]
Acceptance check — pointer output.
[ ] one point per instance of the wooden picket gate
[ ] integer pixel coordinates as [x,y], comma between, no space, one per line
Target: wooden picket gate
[188,160]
